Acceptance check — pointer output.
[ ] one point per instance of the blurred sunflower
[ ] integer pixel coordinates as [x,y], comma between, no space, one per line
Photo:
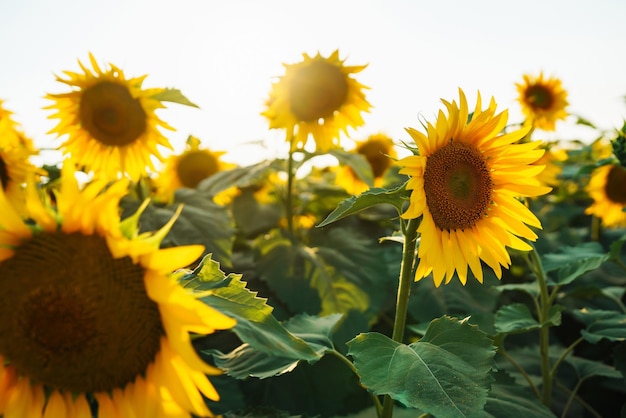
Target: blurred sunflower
[607,188]
[378,149]
[543,100]
[110,121]
[317,96]
[188,169]
[15,166]
[15,171]
[465,182]
[89,313]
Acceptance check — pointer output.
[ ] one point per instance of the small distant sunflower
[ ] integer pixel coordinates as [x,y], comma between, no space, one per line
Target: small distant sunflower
[378,149]
[607,188]
[465,183]
[317,96]
[188,169]
[110,121]
[543,100]
[89,313]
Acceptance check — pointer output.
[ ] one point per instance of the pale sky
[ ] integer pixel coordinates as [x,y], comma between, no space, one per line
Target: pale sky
[223,55]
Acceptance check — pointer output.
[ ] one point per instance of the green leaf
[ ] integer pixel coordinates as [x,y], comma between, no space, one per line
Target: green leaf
[256,325]
[375,196]
[248,361]
[585,368]
[516,318]
[357,162]
[508,399]
[174,96]
[602,324]
[337,294]
[572,262]
[242,177]
[445,374]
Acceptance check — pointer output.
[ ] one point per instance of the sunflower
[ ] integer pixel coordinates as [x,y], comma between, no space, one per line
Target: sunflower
[607,188]
[15,166]
[188,169]
[543,101]
[378,149]
[317,96]
[90,316]
[110,121]
[465,182]
[15,171]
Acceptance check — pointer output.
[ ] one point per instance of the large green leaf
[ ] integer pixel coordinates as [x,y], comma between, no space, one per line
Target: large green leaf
[446,373]
[572,262]
[375,196]
[602,324]
[256,325]
[247,361]
[508,399]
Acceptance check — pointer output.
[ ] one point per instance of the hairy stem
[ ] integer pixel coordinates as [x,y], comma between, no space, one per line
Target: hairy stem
[404,290]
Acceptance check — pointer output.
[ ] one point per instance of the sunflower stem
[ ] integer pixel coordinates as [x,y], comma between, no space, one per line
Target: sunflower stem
[545,304]
[404,290]
[289,197]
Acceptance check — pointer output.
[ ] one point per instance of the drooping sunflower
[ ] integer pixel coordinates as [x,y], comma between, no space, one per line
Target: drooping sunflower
[319,97]
[464,183]
[110,121]
[607,188]
[90,315]
[378,150]
[543,100]
[188,169]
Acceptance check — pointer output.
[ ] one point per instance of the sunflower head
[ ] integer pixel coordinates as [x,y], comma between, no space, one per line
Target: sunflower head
[465,181]
[607,189]
[543,100]
[319,97]
[552,160]
[188,169]
[90,314]
[108,121]
[378,150]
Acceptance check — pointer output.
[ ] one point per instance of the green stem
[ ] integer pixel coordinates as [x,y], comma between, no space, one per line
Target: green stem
[350,365]
[404,290]
[564,355]
[545,303]
[289,198]
[502,351]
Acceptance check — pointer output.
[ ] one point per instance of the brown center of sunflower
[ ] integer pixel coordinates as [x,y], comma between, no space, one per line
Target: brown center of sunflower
[4,174]
[458,186]
[74,318]
[111,114]
[539,97]
[195,166]
[317,91]
[615,187]
[374,152]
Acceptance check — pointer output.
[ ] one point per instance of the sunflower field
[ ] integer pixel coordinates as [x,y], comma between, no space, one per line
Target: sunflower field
[470,269]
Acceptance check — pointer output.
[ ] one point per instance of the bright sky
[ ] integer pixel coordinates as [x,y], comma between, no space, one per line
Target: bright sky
[224,54]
